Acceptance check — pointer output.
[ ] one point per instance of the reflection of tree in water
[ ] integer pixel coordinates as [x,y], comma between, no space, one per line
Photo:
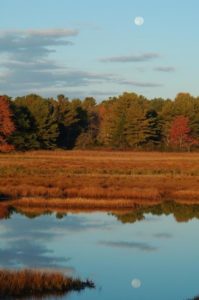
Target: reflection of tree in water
[181,212]
[5,212]
[35,214]
[131,217]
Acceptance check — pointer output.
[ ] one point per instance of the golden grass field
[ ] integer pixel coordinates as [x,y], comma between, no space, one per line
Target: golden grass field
[98,179]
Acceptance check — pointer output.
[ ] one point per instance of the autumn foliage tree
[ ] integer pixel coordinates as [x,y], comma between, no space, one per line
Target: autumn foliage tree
[180,133]
[6,124]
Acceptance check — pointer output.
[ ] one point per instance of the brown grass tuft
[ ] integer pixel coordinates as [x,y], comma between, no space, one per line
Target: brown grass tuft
[37,283]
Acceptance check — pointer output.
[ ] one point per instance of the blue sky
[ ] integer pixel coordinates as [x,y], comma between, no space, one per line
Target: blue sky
[93,48]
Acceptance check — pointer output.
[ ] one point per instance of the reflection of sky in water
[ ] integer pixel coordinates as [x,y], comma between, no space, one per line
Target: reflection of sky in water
[162,253]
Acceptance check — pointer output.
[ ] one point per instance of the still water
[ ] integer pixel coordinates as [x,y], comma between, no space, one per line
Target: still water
[143,255]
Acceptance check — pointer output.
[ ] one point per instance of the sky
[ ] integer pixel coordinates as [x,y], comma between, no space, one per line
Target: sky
[93,48]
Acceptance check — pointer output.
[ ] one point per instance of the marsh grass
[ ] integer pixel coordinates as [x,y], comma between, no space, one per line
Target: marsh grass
[79,203]
[102,175]
[38,283]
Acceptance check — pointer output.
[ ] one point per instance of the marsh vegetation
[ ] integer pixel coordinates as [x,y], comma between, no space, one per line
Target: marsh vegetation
[132,187]
[37,283]
[99,179]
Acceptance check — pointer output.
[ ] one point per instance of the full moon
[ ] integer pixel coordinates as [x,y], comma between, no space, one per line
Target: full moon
[139,21]
[136,283]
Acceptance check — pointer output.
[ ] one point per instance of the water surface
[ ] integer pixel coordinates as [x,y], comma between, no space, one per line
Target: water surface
[112,250]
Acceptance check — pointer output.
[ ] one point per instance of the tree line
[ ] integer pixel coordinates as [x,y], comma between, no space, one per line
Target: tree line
[129,121]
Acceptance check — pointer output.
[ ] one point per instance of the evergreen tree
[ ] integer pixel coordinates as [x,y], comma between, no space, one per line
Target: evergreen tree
[44,115]
[67,118]
[154,133]
[106,122]
[88,136]
[25,135]
[137,127]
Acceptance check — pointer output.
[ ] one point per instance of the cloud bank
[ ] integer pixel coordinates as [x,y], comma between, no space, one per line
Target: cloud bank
[27,65]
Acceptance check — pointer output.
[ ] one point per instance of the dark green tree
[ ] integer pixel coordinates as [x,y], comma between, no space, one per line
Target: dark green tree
[67,118]
[44,115]
[25,135]
[155,132]
[88,136]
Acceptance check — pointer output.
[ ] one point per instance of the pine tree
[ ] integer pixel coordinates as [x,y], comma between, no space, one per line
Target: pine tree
[44,115]
[155,124]
[136,127]
[25,135]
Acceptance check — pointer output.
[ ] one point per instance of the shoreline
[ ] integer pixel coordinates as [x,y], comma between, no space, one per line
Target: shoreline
[82,204]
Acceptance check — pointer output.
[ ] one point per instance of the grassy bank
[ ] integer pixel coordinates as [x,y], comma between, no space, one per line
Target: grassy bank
[32,283]
[114,178]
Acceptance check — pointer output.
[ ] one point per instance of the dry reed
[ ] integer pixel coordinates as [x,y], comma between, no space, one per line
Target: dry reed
[102,175]
[37,283]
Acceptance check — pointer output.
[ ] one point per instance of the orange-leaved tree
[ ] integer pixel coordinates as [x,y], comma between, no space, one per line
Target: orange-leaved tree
[180,133]
[6,125]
